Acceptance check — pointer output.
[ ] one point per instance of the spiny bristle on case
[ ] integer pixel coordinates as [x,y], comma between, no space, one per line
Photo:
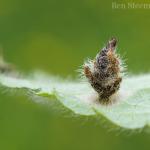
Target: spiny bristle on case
[104,72]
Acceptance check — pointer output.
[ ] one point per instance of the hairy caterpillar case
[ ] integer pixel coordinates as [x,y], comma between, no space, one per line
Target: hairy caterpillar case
[104,72]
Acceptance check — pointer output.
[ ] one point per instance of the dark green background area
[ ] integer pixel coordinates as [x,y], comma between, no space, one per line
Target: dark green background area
[56,36]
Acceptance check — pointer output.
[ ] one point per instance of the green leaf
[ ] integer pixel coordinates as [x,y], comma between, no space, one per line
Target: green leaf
[130,108]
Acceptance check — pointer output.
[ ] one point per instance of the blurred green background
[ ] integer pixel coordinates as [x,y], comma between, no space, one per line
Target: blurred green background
[56,36]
